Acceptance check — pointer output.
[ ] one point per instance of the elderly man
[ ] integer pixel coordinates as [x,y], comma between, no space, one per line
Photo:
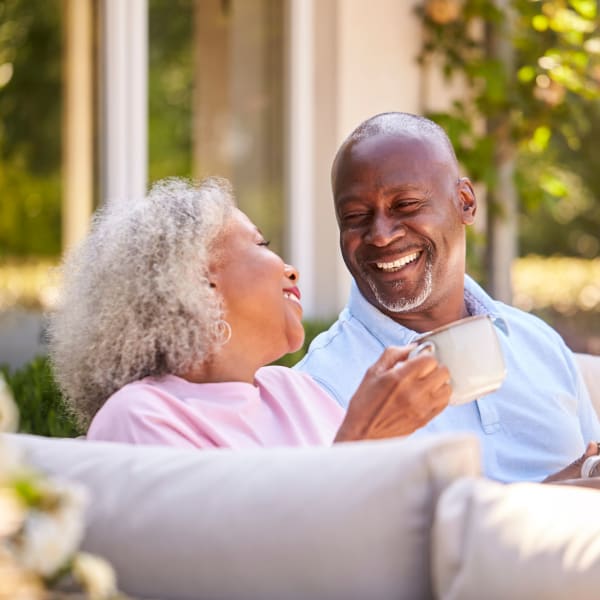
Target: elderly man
[402,209]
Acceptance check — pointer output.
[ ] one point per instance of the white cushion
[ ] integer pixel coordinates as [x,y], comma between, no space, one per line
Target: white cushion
[589,365]
[517,541]
[352,521]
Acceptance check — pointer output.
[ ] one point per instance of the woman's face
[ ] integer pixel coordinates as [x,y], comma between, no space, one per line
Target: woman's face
[261,300]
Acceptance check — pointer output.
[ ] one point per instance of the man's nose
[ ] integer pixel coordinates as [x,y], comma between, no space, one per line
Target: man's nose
[384,229]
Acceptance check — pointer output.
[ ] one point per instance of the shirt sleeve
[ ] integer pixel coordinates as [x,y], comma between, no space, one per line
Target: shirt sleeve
[588,418]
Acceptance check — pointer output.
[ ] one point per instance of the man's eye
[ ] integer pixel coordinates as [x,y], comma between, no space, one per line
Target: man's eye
[265,243]
[353,217]
[406,204]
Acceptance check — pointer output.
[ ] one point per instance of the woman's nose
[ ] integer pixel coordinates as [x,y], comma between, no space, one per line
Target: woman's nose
[291,273]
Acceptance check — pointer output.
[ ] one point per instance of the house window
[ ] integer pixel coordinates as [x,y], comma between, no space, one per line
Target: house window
[216,99]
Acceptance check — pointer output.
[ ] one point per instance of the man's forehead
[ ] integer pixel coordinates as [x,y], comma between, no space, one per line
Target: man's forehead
[386,156]
[400,144]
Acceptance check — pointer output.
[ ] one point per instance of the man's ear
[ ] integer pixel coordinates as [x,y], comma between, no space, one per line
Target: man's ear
[468,200]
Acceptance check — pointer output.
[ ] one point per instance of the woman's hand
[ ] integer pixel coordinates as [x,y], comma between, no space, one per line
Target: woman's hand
[396,396]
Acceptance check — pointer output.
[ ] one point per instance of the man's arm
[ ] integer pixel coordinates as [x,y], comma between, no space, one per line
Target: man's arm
[573,471]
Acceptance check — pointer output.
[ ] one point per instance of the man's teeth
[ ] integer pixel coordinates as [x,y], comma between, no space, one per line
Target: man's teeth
[398,264]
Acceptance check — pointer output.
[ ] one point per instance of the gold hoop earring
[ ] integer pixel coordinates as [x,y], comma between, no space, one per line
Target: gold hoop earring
[224,331]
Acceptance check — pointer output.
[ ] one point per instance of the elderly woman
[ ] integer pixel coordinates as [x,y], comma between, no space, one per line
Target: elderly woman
[171,309]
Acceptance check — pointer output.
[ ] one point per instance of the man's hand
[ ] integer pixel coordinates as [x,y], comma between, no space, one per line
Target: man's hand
[396,396]
[573,471]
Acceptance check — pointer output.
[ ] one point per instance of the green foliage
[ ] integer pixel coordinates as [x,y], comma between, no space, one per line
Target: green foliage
[545,112]
[42,409]
[30,127]
[30,219]
[30,99]
[170,82]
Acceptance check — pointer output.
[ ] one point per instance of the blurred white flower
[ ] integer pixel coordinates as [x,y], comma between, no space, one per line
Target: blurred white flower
[9,413]
[12,511]
[95,575]
[11,462]
[52,534]
[41,527]
[17,584]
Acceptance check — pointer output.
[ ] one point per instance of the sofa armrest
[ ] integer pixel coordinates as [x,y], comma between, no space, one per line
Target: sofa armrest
[517,541]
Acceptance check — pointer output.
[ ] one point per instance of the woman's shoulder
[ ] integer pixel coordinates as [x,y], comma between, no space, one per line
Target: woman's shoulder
[135,395]
[137,400]
[278,376]
[139,387]
[281,374]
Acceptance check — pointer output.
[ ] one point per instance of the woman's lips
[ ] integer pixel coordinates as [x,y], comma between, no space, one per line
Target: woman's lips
[292,291]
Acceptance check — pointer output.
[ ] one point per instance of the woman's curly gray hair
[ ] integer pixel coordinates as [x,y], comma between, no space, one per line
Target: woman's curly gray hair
[136,297]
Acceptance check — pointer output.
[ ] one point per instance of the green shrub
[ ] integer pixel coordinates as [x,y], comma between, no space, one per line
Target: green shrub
[42,408]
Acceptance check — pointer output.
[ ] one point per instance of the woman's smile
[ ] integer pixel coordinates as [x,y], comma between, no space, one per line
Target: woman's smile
[293,294]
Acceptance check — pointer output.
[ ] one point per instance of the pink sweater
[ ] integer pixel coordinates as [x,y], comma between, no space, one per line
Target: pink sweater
[283,408]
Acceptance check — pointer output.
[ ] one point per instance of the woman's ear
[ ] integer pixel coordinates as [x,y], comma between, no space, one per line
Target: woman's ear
[212,277]
[468,200]
[212,273]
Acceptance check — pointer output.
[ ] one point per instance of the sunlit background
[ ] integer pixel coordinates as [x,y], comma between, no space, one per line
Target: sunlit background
[263,91]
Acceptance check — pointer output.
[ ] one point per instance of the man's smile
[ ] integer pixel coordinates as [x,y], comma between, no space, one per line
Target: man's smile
[396,265]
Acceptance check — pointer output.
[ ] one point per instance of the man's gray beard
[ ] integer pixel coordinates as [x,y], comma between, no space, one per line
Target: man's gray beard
[405,304]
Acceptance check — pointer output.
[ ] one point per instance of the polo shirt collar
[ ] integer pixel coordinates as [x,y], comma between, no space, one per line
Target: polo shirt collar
[388,332]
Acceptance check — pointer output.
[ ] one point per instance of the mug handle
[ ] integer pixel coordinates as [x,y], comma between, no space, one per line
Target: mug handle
[427,346]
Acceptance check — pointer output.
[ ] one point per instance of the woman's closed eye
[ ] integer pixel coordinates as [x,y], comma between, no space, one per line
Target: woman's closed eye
[266,243]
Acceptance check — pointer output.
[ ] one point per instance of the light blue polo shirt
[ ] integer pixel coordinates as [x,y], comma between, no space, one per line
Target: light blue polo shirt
[538,422]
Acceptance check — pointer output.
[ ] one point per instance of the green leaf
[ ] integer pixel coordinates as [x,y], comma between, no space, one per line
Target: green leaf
[43,411]
[553,185]
[526,74]
[541,137]
[540,22]
[586,8]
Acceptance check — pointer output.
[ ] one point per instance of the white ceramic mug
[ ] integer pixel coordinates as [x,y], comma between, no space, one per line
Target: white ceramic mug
[471,351]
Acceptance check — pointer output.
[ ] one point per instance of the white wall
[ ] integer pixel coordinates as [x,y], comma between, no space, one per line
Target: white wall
[124,99]
[363,57]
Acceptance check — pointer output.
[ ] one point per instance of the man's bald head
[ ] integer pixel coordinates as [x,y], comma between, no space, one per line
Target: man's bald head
[402,209]
[392,124]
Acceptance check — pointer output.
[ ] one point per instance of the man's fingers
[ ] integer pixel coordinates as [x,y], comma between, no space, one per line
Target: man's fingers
[593,449]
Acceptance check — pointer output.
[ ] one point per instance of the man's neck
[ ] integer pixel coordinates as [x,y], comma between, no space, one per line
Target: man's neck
[427,320]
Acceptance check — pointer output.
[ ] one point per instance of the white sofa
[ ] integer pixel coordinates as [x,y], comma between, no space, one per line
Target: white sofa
[373,520]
